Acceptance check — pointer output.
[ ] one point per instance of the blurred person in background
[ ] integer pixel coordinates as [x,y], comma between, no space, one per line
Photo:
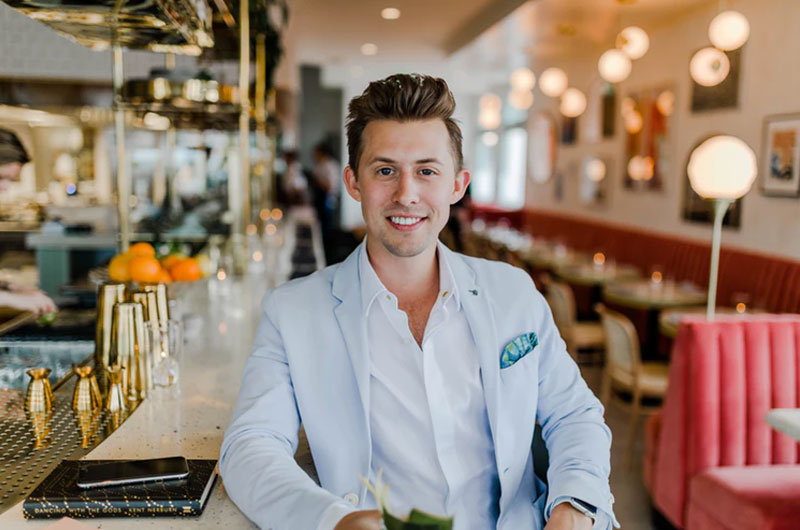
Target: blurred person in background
[326,178]
[12,157]
[294,184]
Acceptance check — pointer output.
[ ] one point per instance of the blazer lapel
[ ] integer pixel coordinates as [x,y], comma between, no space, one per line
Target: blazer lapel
[480,317]
[347,288]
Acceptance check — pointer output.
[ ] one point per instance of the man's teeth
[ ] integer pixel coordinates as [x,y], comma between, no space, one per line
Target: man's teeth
[405,220]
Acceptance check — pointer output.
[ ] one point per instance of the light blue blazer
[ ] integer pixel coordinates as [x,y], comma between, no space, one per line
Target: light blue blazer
[310,364]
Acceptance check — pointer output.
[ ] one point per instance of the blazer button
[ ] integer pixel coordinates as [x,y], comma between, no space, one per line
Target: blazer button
[351,499]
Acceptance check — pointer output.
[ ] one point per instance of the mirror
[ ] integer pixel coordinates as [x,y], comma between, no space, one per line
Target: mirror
[646,119]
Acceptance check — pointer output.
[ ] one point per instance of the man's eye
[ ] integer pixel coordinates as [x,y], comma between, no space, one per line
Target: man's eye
[385,171]
[427,172]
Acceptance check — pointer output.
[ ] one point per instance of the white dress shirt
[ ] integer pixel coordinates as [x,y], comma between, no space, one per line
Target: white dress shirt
[429,427]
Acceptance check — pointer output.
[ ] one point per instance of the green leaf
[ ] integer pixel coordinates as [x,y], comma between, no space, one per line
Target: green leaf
[417,520]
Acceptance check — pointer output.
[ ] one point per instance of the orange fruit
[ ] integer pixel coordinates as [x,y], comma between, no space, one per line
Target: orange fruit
[144,269]
[118,268]
[142,249]
[186,270]
[168,261]
[164,277]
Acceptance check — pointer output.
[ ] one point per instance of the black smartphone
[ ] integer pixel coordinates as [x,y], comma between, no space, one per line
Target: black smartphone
[99,475]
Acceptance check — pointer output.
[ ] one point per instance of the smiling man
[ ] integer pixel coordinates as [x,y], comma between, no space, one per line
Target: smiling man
[412,360]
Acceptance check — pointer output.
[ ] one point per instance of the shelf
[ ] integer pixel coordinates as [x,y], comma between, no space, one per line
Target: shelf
[176,26]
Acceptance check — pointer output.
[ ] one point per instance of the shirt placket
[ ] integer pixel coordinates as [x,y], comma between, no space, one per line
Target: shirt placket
[438,404]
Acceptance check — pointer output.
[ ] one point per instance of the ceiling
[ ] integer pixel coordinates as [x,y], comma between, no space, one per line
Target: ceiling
[550,29]
[331,32]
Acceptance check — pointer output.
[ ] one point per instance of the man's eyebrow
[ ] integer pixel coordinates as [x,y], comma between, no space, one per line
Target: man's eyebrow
[390,161]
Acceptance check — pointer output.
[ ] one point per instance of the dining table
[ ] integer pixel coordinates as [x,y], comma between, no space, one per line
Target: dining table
[669,320]
[594,275]
[653,297]
[549,256]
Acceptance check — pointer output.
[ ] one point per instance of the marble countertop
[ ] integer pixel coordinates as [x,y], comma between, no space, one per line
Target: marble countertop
[189,419]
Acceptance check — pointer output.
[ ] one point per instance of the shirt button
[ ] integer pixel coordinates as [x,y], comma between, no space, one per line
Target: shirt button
[351,499]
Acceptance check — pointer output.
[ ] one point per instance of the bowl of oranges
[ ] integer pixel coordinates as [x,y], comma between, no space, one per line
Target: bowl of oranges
[140,264]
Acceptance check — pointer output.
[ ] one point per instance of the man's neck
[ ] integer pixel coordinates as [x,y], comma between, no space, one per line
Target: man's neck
[409,279]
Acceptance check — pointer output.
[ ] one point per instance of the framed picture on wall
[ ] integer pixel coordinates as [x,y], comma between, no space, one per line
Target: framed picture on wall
[780,156]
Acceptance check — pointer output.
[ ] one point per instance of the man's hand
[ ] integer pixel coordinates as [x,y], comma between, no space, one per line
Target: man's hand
[565,517]
[363,520]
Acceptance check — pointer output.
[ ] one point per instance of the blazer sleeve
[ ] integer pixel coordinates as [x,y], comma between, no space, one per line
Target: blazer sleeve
[256,459]
[577,438]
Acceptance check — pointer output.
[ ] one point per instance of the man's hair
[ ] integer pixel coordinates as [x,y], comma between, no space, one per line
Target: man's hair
[403,98]
[11,149]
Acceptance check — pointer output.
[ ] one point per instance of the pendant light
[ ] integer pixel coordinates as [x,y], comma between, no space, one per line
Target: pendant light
[573,103]
[633,42]
[729,30]
[522,79]
[709,67]
[614,66]
[553,82]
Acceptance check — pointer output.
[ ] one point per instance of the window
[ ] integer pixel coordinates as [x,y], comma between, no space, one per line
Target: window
[501,162]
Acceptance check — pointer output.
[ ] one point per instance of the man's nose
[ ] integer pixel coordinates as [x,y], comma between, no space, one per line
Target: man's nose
[406,191]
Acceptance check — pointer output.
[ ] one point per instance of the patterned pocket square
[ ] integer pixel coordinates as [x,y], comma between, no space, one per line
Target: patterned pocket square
[518,348]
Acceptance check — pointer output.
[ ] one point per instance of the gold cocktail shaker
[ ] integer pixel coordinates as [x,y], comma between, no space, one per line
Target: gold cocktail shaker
[150,305]
[131,349]
[108,295]
[115,400]
[162,301]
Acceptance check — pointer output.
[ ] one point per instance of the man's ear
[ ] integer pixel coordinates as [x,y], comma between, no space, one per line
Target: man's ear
[351,183]
[460,185]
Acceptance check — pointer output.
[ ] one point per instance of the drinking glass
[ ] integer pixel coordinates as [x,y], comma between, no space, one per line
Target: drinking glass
[167,353]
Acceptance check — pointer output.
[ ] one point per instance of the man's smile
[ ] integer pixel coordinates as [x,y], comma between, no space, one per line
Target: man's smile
[405,222]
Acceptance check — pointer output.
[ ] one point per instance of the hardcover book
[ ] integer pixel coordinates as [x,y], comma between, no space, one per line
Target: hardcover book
[59,495]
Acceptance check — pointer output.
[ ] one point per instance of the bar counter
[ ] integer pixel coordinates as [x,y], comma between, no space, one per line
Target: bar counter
[190,418]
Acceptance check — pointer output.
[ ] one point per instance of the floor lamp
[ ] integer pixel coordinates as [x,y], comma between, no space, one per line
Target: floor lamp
[721,169]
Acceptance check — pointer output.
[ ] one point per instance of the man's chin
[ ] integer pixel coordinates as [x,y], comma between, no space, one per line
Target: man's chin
[405,249]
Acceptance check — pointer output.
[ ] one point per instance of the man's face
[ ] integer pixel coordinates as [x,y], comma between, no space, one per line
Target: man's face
[8,173]
[406,183]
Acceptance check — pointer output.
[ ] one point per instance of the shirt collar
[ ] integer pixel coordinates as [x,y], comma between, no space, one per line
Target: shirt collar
[371,285]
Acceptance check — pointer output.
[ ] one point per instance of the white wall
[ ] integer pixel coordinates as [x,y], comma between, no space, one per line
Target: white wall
[770,84]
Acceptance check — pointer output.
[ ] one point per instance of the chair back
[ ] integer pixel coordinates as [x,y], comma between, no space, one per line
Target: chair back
[623,355]
[724,378]
[562,303]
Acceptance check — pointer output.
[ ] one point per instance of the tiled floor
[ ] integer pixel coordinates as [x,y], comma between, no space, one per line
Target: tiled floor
[632,505]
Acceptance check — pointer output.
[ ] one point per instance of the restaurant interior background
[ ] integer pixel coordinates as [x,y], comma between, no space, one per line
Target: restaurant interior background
[587,188]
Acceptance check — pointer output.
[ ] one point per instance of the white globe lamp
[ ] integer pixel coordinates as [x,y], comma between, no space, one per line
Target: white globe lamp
[633,42]
[614,66]
[553,82]
[721,169]
[522,79]
[709,67]
[573,103]
[729,30]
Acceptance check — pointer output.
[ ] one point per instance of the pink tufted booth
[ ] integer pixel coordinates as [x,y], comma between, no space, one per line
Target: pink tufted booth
[711,460]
